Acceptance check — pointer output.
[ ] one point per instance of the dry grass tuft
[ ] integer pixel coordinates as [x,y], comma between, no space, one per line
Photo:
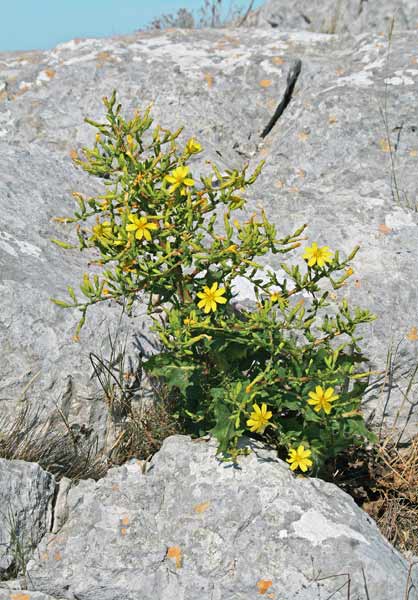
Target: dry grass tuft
[144,432]
[383,480]
[395,508]
[67,451]
[71,450]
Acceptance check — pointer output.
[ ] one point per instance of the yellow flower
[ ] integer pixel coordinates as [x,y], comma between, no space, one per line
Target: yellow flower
[178,178]
[140,227]
[317,256]
[258,420]
[102,231]
[210,297]
[190,320]
[321,399]
[120,240]
[193,147]
[299,458]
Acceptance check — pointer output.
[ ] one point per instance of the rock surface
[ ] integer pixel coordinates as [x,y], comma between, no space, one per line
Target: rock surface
[336,16]
[194,527]
[331,162]
[26,495]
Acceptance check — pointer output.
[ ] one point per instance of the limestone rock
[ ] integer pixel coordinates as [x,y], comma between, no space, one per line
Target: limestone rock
[336,16]
[26,495]
[195,527]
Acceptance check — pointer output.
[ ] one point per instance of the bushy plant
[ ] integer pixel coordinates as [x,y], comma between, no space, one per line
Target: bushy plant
[288,370]
[212,13]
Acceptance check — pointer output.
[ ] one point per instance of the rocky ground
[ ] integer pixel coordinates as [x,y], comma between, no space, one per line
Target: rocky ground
[342,157]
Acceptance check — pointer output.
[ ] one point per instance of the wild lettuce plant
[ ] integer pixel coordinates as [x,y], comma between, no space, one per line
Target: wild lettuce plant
[288,370]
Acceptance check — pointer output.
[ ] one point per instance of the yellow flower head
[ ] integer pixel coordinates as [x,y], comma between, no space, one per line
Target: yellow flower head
[102,231]
[210,297]
[321,399]
[299,458]
[317,256]
[193,147]
[140,227]
[177,178]
[191,319]
[258,420]
[121,239]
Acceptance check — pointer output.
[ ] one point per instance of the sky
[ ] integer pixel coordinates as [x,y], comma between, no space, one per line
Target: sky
[42,24]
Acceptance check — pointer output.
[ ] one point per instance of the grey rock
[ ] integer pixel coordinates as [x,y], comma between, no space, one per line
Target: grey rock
[328,164]
[26,495]
[195,527]
[60,505]
[338,16]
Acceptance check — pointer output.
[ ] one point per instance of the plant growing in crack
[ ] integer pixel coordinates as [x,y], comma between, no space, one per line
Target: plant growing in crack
[290,369]
[18,546]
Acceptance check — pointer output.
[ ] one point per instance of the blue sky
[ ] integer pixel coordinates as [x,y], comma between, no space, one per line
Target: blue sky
[41,24]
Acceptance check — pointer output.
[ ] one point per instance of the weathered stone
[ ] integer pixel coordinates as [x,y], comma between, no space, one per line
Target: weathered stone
[334,16]
[26,494]
[330,161]
[194,527]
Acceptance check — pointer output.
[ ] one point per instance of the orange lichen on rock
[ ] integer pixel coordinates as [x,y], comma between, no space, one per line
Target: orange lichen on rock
[263,585]
[201,508]
[175,553]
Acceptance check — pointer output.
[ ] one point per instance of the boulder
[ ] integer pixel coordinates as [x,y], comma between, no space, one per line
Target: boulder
[26,496]
[336,16]
[341,157]
[191,526]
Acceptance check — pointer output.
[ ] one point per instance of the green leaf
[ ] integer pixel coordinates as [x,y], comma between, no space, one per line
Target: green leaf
[63,244]
[61,303]
[224,430]
[175,376]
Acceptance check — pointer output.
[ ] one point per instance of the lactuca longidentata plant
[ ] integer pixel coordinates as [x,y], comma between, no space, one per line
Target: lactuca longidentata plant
[289,370]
